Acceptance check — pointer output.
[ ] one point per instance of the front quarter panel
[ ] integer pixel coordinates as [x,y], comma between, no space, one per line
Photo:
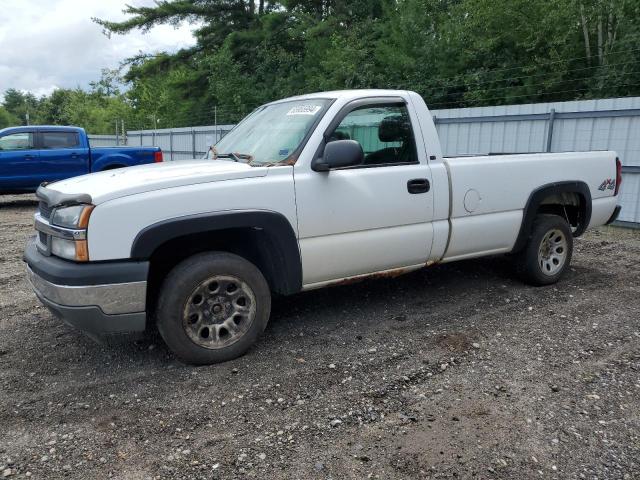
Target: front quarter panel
[115,224]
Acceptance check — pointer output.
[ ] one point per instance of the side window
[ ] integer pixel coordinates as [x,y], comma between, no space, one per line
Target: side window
[383,131]
[17,141]
[60,140]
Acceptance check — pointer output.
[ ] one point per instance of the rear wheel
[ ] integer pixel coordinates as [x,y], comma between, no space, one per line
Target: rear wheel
[212,307]
[548,252]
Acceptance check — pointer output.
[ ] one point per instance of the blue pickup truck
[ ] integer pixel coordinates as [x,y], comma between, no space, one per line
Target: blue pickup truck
[30,156]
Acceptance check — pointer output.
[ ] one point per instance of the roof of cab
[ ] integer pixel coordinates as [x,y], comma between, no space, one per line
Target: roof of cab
[31,128]
[346,94]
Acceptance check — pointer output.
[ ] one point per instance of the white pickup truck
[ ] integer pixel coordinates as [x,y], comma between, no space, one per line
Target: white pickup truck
[305,192]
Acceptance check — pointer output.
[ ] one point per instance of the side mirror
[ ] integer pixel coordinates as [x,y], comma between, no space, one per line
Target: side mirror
[339,154]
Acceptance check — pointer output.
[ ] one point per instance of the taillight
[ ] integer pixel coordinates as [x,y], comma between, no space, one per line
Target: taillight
[157,157]
[618,176]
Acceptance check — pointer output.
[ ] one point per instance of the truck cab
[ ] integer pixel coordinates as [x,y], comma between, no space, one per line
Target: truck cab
[32,155]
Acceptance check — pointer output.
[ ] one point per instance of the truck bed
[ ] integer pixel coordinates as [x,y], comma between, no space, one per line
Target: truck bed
[489,193]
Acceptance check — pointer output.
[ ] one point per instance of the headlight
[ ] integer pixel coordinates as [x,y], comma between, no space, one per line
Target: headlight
[63,248]
[75,250]
[76,216]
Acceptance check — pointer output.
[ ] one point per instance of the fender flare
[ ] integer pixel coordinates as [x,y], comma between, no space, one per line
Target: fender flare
[284,250]
[537,197]
[109,160]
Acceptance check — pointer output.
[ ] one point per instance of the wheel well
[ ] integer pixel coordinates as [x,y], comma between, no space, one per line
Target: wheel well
[569,200]
[254,245]
[568,205]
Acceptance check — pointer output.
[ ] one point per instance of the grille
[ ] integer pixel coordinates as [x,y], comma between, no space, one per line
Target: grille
[45,210]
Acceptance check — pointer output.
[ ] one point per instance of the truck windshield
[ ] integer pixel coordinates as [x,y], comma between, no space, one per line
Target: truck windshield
[272,133]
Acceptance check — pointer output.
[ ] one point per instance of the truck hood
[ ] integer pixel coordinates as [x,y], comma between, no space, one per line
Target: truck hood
[104,186]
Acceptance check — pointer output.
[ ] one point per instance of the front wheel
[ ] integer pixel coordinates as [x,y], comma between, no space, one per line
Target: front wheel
[548,252]
[213,307]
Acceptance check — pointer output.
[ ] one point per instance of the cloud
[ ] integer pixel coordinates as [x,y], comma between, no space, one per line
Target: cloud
[54,44]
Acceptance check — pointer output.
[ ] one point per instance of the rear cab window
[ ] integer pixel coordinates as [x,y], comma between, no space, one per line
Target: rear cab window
[62,139]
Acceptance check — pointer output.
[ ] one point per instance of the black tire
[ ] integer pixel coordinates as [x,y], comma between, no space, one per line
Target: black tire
[185,293]
[532,264]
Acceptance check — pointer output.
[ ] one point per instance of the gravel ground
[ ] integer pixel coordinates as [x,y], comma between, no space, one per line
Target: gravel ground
[454,371]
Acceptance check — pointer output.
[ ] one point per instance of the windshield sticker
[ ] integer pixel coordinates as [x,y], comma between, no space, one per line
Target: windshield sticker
[284,152]
[304,110]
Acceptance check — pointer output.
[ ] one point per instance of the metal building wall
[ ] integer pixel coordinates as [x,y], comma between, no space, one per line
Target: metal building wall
[179,143]
[103,140]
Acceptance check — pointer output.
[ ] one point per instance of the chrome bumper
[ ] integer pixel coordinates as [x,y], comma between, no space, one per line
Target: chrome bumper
[98,298]
[112,299]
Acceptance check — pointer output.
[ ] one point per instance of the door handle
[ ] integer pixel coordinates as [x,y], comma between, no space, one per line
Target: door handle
[418,185]
[27,157]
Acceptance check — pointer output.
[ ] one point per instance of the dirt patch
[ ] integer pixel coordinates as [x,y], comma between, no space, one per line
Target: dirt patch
[458,371]
[455,342]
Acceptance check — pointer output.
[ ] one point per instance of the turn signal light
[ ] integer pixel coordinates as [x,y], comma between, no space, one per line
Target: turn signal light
[618,176]
[82,251]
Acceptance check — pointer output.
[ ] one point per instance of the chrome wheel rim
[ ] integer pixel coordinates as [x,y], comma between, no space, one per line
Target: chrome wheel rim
[552,253]
[219,312]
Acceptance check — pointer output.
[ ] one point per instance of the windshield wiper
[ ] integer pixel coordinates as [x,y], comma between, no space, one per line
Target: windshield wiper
[236,157]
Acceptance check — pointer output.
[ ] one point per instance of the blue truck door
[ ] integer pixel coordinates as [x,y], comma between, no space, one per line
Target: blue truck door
[19,161]
[62,154]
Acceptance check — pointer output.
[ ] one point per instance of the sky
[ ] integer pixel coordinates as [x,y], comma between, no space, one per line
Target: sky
[49,44]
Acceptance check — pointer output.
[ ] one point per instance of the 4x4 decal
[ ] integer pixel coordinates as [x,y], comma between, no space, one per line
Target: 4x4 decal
[608,184]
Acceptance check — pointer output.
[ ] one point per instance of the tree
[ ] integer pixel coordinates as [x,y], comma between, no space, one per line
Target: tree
[453,52]
[109,84]
[20,104]
[54,110]
[7,119]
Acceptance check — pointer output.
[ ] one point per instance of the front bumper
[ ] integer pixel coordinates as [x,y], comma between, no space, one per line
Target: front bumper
[97,298]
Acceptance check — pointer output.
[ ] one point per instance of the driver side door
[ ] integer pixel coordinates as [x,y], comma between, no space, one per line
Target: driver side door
[368,218]
[19,161]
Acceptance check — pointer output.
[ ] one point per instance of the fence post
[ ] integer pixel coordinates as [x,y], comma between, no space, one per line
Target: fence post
[552,118]
[117,137]
[193,143]
[171,144]
[140,138]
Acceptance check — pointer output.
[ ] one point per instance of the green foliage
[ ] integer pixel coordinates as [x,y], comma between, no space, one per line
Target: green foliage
[19,104]
[96,110]
[7,119]
[456,53]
